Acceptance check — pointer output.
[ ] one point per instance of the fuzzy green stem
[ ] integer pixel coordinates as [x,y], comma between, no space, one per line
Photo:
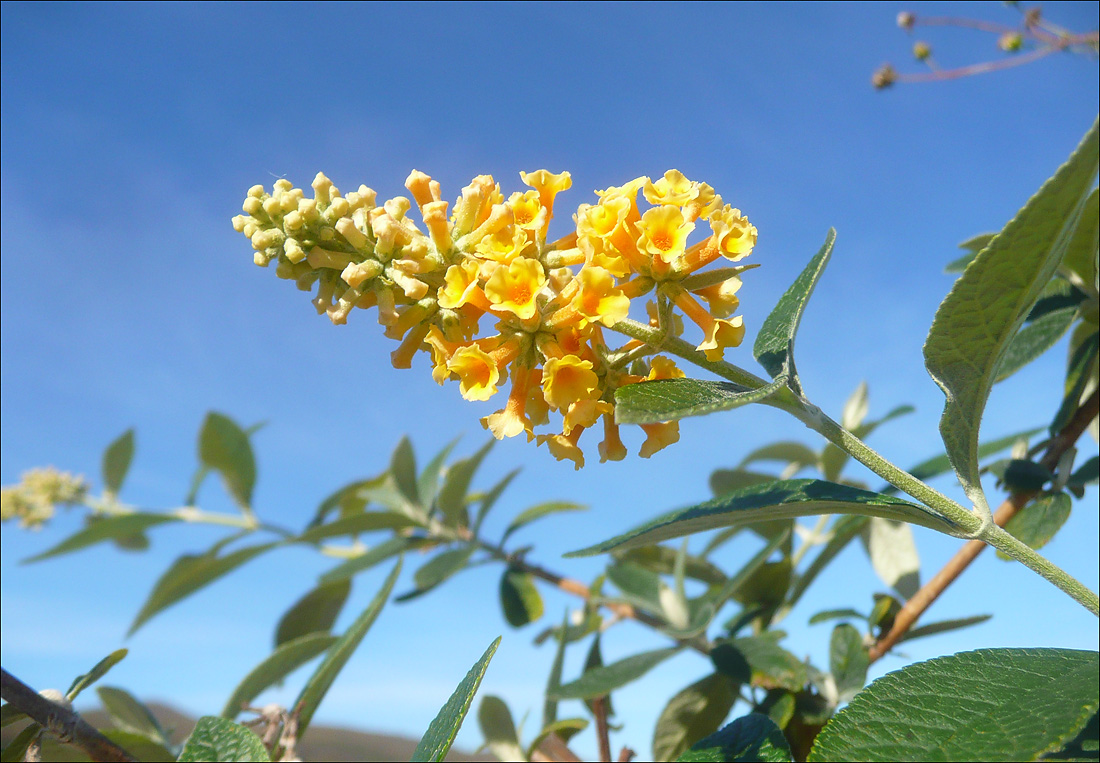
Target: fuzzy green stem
[1004,541]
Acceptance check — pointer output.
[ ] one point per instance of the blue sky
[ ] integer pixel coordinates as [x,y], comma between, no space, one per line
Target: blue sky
[131,133]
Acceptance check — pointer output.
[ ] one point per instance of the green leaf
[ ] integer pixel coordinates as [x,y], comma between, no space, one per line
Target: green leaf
[987,304]
[942,626]
[287,657]
[848,661]
[519,598]
[553,681]
[782,499]
[380,553]
[1033,340]
[189,573]
[537,512]
[773,667]
[108,528]
[692,714]
[224,447]
[724,481]
[1082,365]
[753,737]
[1086,474]
[17,748]
[427,484]
[128,714]
[893,554]
[442,566]
[498,728]
[794,454]
[639,586]
[662,559]
[836,614]
[973,246]
[370,521]
[565,729]
[10,714]
[602,680]
[833,459]
[767,586]
[1085,746]
[1037,522]
[352,498]
[991,704]
[84,680]
[456,484]
[220,739]
[774,347]
[440,735]
[141,747]
[339,653]
[316,611]
[403,469]
[490,498]
[1081,255]
[116,461]
[671,399]
[940,464]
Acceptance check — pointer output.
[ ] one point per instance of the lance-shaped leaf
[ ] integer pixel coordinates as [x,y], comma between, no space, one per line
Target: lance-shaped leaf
[527,516]
[848,661]
[1033,340]
[772,666]
[129,714]
[316,611]
[371,521]
[107,528]
[940,464]
[1084,348]
[498,728]
[427,484]
[991,704]
[452,496]
[287,658]
[220,739]
[942,626]
[189,573]
[893,554]
[692,714]
[84,680]
[662,560]
[987,304]
[794,454]
[972,246]
[339,653]
[732,587]
[601,680]
[782,499]
[753,737]
[116,461]
[553,680]
[403,469]
[380,553]
[437,741]
[774,346]
[224,447]
[438,569]
[1081,255]
[671,399]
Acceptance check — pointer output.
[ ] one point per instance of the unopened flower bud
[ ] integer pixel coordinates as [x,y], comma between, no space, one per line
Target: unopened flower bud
[906,20]
[272,206]
[253,206]
[922,51]
[239,221]
[282,185]
[255,192]
[1010,42]
[884,77]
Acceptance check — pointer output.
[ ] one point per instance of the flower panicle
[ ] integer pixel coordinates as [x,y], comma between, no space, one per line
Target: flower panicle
[477,287]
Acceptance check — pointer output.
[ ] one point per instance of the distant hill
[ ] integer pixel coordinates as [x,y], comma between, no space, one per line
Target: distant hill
[320,742]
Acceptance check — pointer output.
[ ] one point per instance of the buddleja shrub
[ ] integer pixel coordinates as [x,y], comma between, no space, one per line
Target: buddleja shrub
[481,290]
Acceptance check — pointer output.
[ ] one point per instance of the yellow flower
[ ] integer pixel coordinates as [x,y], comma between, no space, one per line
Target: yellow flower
[548,186]
[598,299]
[567,380]
[664,233]
[477,372]
[664,368]
[658,437]
[612,448]
[585,413]
[511,420]
[460,284]
[733,233]
[565,447]
[526,210]
[721,297]
[722,334]
[673,188]
[514,288]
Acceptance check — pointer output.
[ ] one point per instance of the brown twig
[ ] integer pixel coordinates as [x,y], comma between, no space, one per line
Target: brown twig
[599,709]
[60,721]
[931,590]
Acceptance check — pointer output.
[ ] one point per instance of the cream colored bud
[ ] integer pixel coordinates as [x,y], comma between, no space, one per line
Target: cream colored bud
[357,272]
[322,188]
[906,20]
[308,209]
[272,206]
[282,185]
[922,51]
[292,247]
[353,235]
[255,192]
[239,221]
[250,228]
[418,184]
[293,220]
[398,206]
[253,206]
[339,208]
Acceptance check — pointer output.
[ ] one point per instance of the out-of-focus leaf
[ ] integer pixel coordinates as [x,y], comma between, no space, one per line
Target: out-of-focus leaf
[1037,522]
[427,484]
[893,554]
[141,747]
[403,469]
[220,739]
[843,530]
[855,408]
[767,586]
[660,559]
[84,680]
[437,741]
[498,728]
[1020,474]
[553,681]
[107,528]
[941,464]
[128,714]
[189,573]
[225,448]
[286,658]
[724,481]
[1081,369]
[350,499]
[848,661]
[777,500]
[17,748]
[833,459]
[339,653]
[116,461]
[599,681]
[1040,698]
[1087,473]
[371,521]
[884,611]
[380,553]
[1033,340]
[519,598]
[987,304]
[316,611]
[452,497]
[774,346]
[773,667]
[943,626]
[1082,747]
[836,614]
[795,454]
[638,585]
[565,729]
[693,713]
[753,737]
[1081,254]
[491,497]
[442,566]
[660,400]
[537,512]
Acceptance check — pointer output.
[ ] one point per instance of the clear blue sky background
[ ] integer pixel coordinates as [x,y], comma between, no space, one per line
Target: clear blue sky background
[131,132]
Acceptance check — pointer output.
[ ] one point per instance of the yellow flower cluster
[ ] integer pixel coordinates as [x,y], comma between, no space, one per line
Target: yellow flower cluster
[32,501]
[550,303]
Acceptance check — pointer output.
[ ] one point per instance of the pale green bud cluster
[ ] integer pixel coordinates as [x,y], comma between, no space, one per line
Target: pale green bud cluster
[32,501]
